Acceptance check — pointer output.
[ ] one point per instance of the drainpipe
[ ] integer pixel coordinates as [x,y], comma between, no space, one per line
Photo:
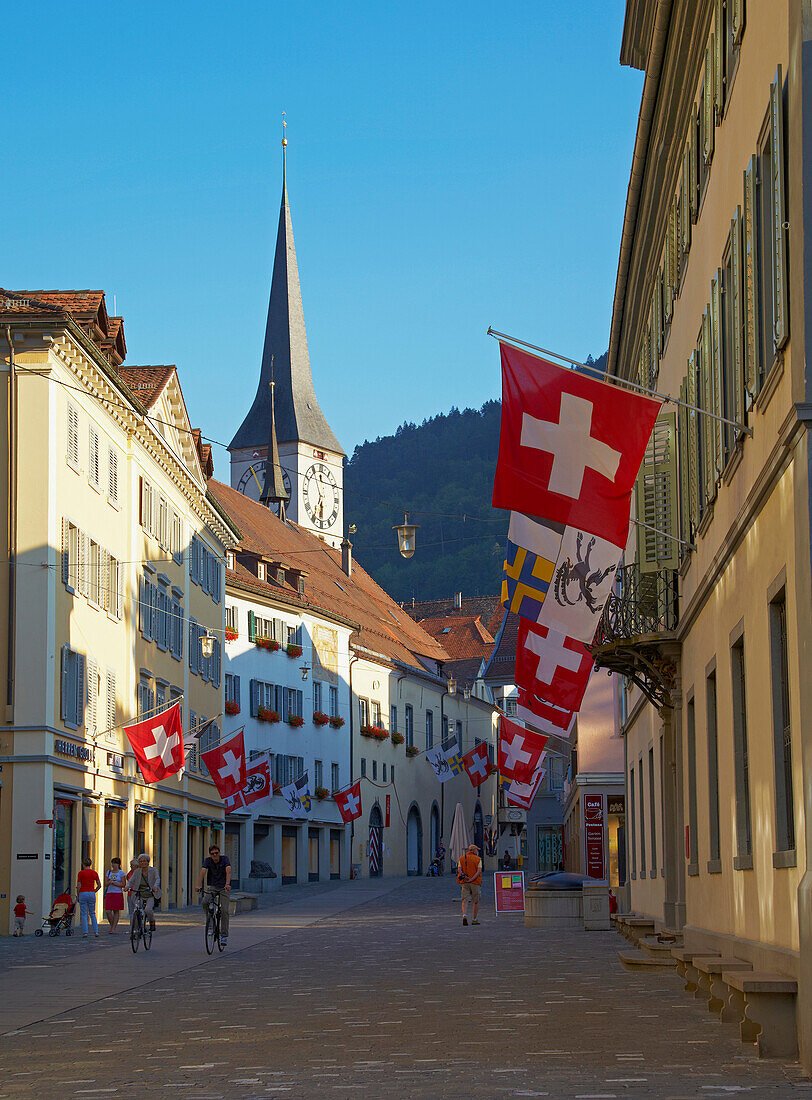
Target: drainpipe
[12,517]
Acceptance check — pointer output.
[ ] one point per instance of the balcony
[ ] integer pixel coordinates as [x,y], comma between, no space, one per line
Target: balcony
[636,634]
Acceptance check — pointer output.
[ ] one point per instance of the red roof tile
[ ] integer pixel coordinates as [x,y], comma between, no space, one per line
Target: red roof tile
[146,383]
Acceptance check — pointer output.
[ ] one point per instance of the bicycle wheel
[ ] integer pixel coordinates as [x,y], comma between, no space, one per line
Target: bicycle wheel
[212,932]
[220,943]
[135,930]
[147,934]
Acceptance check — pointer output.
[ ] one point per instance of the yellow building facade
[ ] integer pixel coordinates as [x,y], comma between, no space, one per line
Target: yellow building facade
[115,569]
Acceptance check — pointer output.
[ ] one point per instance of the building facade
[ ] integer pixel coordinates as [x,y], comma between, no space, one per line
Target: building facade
[711,632]
[115,568]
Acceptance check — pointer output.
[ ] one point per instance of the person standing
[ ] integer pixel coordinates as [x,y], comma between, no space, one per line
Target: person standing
[88,885]
[133,865]
[145,883]
[469,875]
[114,880]
[20,913]
[217,872]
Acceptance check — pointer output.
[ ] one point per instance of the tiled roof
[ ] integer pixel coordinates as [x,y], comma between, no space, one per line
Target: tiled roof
[383,627]
[461,635]
[483,606]
[146,382]
[501,667]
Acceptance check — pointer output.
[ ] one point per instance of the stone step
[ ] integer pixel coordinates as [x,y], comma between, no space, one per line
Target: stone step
[656,948]
[636,960]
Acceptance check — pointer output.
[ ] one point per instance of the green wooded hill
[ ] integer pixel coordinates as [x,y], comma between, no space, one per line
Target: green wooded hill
[444,465]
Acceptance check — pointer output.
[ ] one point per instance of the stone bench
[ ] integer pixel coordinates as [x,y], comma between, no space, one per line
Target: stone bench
[656,948]
[635,928]
[767,1003]
[636,960]
[685,967]
[710,971]
[241,903]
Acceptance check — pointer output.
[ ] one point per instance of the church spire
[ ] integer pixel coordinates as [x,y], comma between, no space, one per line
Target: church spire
[274,491]
[298,416]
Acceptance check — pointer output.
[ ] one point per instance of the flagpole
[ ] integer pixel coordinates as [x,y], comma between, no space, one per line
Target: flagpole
[601,377]
[665,534]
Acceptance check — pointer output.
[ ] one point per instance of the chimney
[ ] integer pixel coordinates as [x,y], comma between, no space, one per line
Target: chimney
[458,600]
[346,557]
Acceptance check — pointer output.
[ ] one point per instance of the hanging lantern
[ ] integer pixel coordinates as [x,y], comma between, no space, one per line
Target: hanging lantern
[207,644]
[406,536]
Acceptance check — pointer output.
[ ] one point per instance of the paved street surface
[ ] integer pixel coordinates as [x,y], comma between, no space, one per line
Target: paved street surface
[361,989]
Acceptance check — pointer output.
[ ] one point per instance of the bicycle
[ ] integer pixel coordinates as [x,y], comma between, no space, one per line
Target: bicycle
[139,926]
[213,917]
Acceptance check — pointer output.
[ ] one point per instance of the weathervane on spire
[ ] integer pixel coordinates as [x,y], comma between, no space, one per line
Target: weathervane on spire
[284,147]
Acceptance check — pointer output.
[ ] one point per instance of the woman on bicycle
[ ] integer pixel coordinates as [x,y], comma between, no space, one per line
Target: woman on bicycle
[145,883]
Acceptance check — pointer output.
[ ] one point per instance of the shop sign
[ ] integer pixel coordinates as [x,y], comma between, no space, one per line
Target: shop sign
[387,811]
[509,891]
[27,855]
[593,835]
[71,748]
[115,762]
[616,804]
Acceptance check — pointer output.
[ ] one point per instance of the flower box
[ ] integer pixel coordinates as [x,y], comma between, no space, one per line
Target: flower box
[265,714]
[336,723]
[295,720]
[231,635]
[232,706]
[412,750]
[320,718]
[292,650]
[321,793]
[267,643]
[378,732]
[397,738]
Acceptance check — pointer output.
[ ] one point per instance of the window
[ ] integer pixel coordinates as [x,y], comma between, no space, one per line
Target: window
[642,819]
[231,618]
[652,806]
[177,538]
[429,729]
[445,728]
[741,761]
[713,775]
[409,725]
[693,839]
[363,712]
[70,555]
[232,688]
[176,625]
[363,765]
[146,697]
[317,695]
[633,815]
[511,705]
[72,441]
[374,770]
[112,476]
[376,713]
[115,597]
[393,718]
[110,706]
[94,576]
[194,646]
[162,615]
[147,608]
[292,703]
[261,571]
[230,560]
[392,775]
[162,528]
[334,777]
[555,773]
[160,694]
[93,685]
[384,773]
[318,775]
[459,734]
[262,694]
[147,507]
[782,731]
[333,702]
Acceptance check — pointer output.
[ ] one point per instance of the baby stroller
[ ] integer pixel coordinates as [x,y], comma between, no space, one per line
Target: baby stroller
[61,916]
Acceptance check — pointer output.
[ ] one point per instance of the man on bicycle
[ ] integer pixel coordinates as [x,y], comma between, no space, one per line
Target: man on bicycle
[217,871]
[145,883]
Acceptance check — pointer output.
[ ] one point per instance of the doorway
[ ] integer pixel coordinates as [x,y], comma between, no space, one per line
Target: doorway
[335,853]
[414,842]
[479,830]
[375,842]
[434,829]
[289,865]
[313,855]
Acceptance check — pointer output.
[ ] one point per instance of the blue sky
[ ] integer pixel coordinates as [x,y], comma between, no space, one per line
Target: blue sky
[450,166]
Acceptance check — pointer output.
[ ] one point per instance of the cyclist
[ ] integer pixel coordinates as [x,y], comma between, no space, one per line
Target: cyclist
[217,872]
[145,883]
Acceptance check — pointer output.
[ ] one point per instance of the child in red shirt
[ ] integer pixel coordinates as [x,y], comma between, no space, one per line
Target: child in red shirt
[20,913]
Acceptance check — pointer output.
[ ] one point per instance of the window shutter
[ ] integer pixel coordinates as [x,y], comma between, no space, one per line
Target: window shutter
[235,688]
[254,702]
[779,216]
[717,372]
[64,709]
[192,636]
[736,10]
[111,701]
[694,465]
[751,268]
[82,564]
[279,699]
[92,694]
[299,702]
[112,487]
[65,551]
[708,112]
[682,441]
[143,607]
[718,61]
[119,580]
[217,662]
[281,633]
[252,631]
[693,198]
[708,426]
[299,767]
[736,303]
[80,689]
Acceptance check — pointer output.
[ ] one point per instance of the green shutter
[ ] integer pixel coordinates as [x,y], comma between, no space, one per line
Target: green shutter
[708,112]
[657,499]
[708,425]
[682,441]
[737,334]
[779,216]
[736,20]
[694,166]
[252,629]
[685,201]
[751,297]
[717,371]
[719,60]
[694,478]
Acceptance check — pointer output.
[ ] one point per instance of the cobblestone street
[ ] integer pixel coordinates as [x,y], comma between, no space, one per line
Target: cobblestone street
[364,988]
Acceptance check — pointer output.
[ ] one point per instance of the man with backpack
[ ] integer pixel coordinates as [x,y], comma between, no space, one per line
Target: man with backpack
[469,875]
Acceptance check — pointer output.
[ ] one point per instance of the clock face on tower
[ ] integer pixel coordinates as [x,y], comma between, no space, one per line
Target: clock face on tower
[320,494]
[252,482]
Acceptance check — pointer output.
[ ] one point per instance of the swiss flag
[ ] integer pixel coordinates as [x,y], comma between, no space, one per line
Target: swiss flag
[544,716]
[476,764]
[158,744]
[552,666]
[233,803]
[570,446]
[349,802]
[226,765]
[519,750]
[522,794]
[257,784]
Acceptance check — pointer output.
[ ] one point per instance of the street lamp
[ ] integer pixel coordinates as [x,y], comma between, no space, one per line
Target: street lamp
[207,644]
[304,669]
[406,536]
[452,686]
[466,691]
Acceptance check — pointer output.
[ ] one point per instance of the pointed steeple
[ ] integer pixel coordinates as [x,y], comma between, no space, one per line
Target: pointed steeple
[298,416]
[274,491]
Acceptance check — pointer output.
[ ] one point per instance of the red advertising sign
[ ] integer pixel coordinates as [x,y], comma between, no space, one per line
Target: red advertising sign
[508,891]
[593,835]
[387,811]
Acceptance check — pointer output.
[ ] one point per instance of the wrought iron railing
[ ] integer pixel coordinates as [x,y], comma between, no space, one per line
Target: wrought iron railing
[640,604]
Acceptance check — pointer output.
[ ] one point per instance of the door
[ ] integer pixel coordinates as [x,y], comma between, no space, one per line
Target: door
[414,843]
[479,829]
[313,855]
[375,843]
[289,865]
[232,850]
[549,848]
[335,853]
[434,830]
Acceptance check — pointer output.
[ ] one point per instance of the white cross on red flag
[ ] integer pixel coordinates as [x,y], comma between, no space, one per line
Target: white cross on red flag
[157,743]
[519,750]
[349,802]
[226,764]
[552,666]
[570,446]
[545,717]
[522,794]
[476,763]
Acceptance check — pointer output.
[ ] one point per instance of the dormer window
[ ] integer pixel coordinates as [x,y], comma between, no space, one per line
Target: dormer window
[229,560]
[301,586]
[261,570]
[280,576]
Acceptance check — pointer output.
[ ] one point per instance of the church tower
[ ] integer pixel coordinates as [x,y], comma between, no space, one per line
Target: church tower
[310,456]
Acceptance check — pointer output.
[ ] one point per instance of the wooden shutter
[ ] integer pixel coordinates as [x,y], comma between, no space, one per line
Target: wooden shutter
[695,495]
[778,210]
[92,695]
[719,60]
[80,694]
[736,10]
[707,426]
[112,479]
[65,551]
[235,689]
[111,701]
[708,108]
[685,202]
[64,708]
[682,451]
[694,167]
[657,499]
[737,332]
[252,630]
[717,370]
[751,270]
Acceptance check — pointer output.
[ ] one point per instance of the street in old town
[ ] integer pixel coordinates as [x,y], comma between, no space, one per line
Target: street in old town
[368,988]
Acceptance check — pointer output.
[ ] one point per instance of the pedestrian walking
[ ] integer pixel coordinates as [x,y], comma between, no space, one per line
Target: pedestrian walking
[88,885]
[20,913]
[114,880]
[469,875]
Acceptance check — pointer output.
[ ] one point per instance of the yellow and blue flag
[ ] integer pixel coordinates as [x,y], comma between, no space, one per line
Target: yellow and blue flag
[532,553]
